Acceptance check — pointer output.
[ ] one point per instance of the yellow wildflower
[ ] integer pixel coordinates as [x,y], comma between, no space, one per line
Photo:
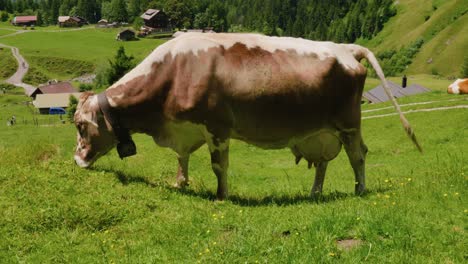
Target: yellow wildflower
[331,254]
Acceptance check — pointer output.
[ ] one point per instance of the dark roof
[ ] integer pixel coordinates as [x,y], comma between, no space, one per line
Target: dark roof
[127,31]
[378,95]
[61,87]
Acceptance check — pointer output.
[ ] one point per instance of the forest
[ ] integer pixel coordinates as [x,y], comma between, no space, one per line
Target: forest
[336,20]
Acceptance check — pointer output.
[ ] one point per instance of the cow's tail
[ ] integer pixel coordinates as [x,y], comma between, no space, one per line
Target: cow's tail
[360,53]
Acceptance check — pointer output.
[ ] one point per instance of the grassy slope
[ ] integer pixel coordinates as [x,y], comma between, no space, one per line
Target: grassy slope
[9,64]
[410,24]
[126,211]
[92,46]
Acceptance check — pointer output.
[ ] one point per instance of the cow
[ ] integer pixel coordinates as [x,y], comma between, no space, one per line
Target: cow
[460,86]
[272,92]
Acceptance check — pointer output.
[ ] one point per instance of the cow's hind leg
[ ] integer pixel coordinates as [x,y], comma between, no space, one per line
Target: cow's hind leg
[182,178]
[356,151]
[320,170]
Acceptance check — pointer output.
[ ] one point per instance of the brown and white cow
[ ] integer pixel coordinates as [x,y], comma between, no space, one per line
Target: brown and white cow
[207,88]
[460,86]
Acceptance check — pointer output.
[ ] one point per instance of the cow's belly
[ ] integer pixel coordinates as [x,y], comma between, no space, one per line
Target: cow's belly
[323,145]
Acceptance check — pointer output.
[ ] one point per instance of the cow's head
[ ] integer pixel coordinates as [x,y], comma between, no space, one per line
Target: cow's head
[95,137]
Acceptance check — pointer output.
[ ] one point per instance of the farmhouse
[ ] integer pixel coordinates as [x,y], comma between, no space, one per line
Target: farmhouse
[156,20]
[24,20]
[71,21]
[126,35]
[102,23]
[53,88]
[378,95]
[44,102]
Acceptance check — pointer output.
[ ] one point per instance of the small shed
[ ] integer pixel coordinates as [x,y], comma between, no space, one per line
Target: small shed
[126,35]
[378,95]
[24,20]
[156,19]
[71,21]
[44,102]
[53,88]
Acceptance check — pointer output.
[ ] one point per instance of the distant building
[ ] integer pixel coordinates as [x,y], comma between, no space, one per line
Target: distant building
[205,30]
[126,35]
[156,19]
[54,88]
[378,95]
[24,20]
[44,102]
[102,23]
[71,21]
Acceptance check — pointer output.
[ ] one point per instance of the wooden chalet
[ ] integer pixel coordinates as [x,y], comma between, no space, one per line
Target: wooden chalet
[44,102]
[53,88]
[24,20]
[156,19]
[126,35]
[71,21]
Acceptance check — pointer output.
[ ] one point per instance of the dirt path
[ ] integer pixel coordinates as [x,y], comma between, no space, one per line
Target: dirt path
[17,78]
[410,104]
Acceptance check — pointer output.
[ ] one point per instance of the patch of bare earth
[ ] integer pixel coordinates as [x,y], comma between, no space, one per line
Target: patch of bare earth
[348,244]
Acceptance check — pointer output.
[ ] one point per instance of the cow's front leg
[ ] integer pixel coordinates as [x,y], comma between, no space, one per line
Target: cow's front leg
[219,151]
[356,151]
[182,178]
[320,170]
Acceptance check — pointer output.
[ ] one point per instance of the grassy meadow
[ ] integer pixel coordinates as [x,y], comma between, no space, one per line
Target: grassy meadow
[127,212]
[63,55]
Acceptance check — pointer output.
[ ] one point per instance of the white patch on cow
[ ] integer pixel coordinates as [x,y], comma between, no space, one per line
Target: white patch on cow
[196,42]
[456,86]
[80,162]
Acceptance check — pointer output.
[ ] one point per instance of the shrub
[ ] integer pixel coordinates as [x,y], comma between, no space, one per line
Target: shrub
[72,104]
[119,66]
[85,87]
[4,16]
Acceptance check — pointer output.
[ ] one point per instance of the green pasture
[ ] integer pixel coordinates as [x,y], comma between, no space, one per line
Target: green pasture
[125,211]
[8,63]
[66,54]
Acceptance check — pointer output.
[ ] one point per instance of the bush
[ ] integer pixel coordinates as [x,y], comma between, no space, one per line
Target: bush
[86,87]
[119,66]
[4,16]
[72,104]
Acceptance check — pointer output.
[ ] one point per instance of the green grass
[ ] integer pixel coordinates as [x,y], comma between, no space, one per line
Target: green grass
[9,64]
[64,55]
[127,212]
[445,25]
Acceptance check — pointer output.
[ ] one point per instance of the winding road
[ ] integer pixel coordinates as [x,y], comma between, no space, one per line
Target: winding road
[17,78]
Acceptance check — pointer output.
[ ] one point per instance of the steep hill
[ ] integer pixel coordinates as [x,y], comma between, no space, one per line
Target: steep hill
[442,24]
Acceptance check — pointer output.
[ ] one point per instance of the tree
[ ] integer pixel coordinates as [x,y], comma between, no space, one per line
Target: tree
[72,104]
[40,19]
[118,11]
[120,66]
[4,16]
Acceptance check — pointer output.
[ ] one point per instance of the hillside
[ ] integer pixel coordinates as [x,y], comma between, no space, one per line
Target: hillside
[442,26]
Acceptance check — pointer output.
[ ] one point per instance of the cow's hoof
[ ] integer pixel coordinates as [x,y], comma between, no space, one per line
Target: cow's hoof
[180,185]
[316,196]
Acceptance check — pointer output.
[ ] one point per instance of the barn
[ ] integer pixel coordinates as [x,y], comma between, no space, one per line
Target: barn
[126,35]
[44,102]
[156,19]
[53,88]
[71,21]
[378,95]
[24,20]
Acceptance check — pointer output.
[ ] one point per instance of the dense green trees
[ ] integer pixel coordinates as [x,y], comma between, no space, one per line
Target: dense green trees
[338,20]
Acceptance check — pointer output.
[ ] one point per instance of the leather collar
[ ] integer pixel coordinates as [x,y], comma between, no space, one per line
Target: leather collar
[125,146]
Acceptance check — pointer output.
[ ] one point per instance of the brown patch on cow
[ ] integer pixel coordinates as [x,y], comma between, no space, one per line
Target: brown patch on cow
[463,86]
[348,244]
[264,97]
